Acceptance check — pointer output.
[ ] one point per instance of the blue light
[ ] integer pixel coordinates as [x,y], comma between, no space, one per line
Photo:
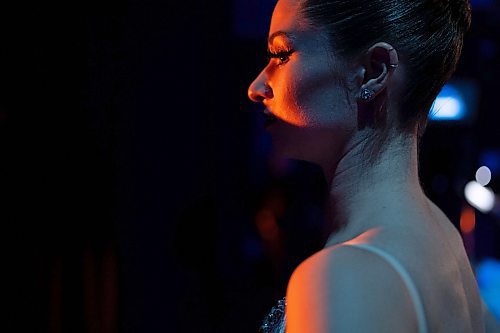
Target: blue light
[482,4]
[488,279]
[491,158]
[449,105]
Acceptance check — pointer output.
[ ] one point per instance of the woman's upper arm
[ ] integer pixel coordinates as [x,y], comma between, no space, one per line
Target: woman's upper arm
[348,290]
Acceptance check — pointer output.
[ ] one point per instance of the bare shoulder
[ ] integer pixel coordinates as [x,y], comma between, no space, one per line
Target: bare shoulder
[347,289]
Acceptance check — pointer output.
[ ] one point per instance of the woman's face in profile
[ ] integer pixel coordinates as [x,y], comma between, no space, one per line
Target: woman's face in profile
[306,88]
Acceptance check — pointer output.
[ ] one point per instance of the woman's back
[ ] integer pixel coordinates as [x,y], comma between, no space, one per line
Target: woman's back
[433,254]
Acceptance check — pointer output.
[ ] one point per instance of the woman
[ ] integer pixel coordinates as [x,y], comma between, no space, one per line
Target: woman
[348,86]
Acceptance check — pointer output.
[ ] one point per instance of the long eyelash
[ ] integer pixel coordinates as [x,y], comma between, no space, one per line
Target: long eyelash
[272,55]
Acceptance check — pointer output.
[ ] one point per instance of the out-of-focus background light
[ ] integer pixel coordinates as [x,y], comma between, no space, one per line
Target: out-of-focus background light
[482,4]
[483,175]
[468,220]
[449,105]
[480,197]
[491,158]
[488,279]
[456,103]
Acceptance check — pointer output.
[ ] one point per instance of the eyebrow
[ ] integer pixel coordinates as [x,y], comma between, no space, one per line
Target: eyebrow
[279,34]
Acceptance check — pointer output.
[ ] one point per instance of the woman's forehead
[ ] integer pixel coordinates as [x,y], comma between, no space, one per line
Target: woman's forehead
[286,16]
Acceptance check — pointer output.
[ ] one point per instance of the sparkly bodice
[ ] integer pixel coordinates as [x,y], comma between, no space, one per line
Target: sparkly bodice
[275,321]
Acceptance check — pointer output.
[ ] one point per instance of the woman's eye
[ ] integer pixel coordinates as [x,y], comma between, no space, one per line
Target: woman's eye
[282,57]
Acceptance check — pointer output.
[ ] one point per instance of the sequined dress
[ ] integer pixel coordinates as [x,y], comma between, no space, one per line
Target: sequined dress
[275,321]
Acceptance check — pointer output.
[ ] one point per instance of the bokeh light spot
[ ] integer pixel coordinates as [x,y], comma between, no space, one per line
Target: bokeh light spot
[483,175]
[480,197]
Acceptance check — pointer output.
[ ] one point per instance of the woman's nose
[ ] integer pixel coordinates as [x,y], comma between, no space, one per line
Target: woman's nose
[259,89]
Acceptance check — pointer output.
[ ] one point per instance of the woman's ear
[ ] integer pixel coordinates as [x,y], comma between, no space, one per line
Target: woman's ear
[380,62]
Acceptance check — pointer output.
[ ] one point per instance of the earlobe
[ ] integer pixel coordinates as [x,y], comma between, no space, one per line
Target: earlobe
[374,86]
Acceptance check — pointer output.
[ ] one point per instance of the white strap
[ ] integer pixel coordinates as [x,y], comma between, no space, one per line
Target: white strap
[422,323]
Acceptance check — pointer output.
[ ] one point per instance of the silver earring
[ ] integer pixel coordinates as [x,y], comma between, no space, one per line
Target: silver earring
[366,94]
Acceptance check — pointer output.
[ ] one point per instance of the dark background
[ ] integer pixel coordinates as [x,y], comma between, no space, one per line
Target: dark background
[138,189]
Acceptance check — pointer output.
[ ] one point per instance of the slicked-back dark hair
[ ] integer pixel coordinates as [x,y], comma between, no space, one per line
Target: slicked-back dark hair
[428,34]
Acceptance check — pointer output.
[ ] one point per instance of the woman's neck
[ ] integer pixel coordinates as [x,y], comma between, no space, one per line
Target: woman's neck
[370,196]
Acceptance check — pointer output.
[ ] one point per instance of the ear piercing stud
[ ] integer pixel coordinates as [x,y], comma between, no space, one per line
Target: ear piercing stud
[366,94]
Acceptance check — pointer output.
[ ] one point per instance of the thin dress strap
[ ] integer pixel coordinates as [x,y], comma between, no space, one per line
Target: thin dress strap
[422,323]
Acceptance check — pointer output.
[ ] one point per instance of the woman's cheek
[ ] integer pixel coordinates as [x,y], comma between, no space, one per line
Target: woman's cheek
[299,112]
